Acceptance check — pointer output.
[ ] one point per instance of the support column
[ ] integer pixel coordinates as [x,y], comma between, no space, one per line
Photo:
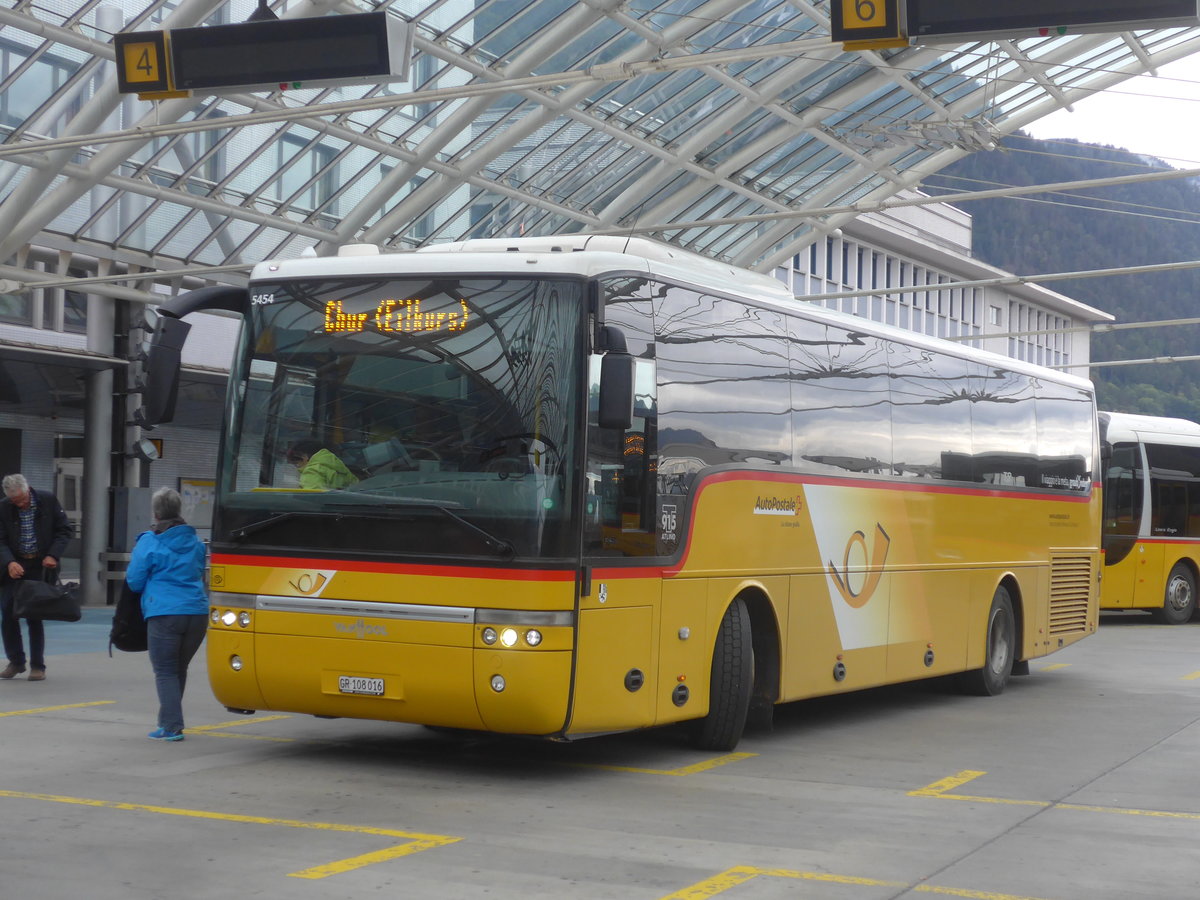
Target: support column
[97,449]
[98,469]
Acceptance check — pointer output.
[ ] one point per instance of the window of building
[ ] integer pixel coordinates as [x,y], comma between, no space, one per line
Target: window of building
[17,307]
[424,72]
[75,306]
[41,79]
[299,163]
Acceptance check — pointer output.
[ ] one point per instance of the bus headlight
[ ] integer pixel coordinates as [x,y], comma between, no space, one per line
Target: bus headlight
[498,683]
[508,637]
[215,616]
[244,619]
[229,617]
[489,635]
[235,663]
[533,637]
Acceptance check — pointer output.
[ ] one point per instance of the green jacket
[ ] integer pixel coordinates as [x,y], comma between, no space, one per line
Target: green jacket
[325,472]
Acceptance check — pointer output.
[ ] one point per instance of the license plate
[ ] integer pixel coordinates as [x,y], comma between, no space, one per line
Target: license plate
[353,684]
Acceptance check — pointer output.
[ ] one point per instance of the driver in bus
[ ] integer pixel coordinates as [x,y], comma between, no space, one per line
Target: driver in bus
[320,469]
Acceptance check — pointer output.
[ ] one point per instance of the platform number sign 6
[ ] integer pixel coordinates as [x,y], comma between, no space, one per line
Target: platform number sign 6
[863,13]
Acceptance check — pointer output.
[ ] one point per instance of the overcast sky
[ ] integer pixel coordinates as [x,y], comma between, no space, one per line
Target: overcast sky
[1155,116]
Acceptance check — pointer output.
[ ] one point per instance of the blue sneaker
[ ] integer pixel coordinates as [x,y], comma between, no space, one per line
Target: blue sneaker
[161,734]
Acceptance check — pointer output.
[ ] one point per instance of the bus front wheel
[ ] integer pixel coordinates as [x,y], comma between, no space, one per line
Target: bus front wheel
[730,684]
[999,651]
[1179,598]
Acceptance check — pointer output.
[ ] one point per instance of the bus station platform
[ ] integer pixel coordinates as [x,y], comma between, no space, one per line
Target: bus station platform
[1065,787]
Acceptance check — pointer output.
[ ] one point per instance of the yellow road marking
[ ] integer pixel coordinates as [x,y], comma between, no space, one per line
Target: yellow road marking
[963,892]
[46,709]
[1152,813]
[940,790]
[949,783]
[1053,666]
[1191,677]
[731,878]
[210,730]
[249,720]
[414,843]
[685,770]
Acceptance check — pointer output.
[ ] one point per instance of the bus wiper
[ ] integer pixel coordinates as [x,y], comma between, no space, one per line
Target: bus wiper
[499,546]
[247,530]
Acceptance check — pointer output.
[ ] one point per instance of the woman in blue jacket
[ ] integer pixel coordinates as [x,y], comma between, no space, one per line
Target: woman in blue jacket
[167,567]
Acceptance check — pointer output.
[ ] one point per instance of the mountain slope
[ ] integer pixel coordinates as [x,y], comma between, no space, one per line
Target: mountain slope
[1125,225]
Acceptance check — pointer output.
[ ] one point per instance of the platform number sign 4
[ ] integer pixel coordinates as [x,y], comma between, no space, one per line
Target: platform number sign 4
[142,62]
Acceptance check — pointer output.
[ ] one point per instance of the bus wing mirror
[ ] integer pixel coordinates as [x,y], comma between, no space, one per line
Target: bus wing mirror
[161,385]
[616,381]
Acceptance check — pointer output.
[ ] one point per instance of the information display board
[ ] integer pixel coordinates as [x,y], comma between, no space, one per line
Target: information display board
[271,54]
[1024,18]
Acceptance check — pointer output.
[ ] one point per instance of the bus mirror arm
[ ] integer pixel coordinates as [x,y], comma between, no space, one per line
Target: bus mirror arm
[616,380]
[611,338]
[231,299]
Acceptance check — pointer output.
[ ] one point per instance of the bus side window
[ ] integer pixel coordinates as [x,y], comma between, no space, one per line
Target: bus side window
[1174,476]
[1123,494]
[620,511]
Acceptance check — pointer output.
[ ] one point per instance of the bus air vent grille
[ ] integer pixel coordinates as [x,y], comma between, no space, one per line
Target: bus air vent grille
[1071,581]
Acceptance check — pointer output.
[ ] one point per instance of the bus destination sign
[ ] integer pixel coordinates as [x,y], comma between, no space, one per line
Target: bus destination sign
[394,316]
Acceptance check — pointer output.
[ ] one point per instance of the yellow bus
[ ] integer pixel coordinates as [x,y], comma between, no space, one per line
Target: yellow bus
[1151,515]
[600,484]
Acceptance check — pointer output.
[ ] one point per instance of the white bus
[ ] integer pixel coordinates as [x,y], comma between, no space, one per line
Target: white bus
[582,485]
[1151,515]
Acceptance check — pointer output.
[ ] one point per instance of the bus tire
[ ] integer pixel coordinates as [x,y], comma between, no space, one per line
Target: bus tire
[730,683]
[1000,649]
[1179,597]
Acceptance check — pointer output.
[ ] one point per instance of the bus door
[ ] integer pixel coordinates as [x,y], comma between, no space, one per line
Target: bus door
[615,673]
[1168,529]
[1123,498]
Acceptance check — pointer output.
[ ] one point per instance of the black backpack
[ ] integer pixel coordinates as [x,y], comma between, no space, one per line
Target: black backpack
[128,625]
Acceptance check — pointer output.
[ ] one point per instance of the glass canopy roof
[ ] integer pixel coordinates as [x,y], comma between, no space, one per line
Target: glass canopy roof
[735,129]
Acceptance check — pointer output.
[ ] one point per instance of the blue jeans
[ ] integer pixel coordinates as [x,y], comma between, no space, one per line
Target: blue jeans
[174,640]
[10,625]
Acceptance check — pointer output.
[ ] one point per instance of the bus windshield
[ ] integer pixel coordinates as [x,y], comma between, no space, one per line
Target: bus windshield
[411,417]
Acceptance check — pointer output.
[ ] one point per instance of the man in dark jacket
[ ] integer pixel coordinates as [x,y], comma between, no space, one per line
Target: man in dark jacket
[34,532]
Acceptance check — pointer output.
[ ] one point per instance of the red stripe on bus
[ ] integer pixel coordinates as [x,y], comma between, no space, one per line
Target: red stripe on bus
[920,486]
[1181,541]
[786,478]
[349,565]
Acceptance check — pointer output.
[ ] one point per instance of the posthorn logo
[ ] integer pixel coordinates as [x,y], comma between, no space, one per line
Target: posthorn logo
[868,563]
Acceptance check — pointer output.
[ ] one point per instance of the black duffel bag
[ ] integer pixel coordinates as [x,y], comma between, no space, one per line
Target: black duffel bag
[47,600]
[128,630]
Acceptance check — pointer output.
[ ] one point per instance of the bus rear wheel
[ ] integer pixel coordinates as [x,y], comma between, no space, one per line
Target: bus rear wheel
[999,651]
[1179,597]
[730,684]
